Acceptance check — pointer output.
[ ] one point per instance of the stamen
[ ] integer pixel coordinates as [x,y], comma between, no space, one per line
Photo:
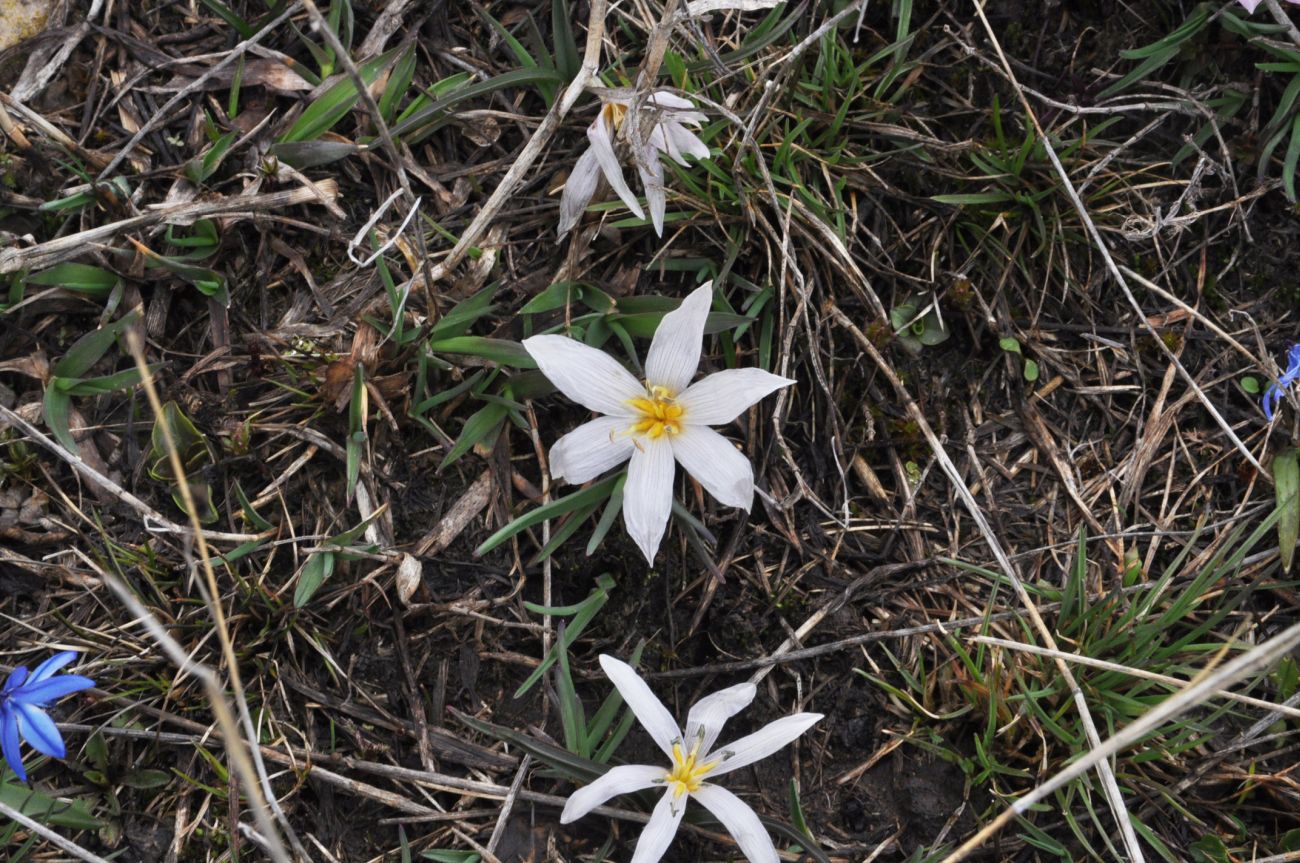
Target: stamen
[688,774]
[657,415]
[614,113]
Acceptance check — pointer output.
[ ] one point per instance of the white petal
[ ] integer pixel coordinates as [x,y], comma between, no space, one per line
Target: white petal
[675,352]
[646,706]
[710,713]
[578,190]
[722,469]
[652,177]
[741,822]
[669,99]
[587,376]
[591,449]
[619,780]
[658,833]
[764,742]
[663,142]
[694,119]
[686,141]
[719,398]
[602,144]
[1251,4]
[648,494]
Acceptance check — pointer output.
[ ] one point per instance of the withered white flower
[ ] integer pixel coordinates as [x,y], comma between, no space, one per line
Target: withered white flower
[1251,4]
[655,422]
[694,759]
[673,118]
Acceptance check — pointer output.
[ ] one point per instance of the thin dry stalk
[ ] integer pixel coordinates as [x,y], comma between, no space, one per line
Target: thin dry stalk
[54,838]
[1104,250]
[1281,709]
[195,86]
[1256,659]
[1104,770]
[55,251]
[536,144]
[257,782]
[154,520]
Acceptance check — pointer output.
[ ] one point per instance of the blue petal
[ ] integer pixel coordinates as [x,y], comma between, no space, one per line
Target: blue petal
[16,678]
[1292,366]
[52,690]
[39,730]
[51,665]
[9,742]
[1272,396]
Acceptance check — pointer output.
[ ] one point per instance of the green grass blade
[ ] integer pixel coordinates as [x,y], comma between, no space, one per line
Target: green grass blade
[1286,477]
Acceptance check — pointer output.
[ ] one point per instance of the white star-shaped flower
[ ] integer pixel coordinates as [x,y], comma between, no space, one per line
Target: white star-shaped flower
[674,117]
[655,422]
[694,759]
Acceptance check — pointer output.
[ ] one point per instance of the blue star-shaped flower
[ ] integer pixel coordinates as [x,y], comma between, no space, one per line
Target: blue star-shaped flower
[1273,395]
[22,709]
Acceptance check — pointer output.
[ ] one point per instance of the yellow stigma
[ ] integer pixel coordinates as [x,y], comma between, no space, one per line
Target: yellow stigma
[614,113]
[658,414]
[687,775]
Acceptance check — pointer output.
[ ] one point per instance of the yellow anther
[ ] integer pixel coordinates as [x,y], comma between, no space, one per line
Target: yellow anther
[687,774]
[657,415]
[614,113]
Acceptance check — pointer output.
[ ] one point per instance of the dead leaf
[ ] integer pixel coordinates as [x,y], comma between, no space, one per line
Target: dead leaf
[483,130]
[22,19]
[409,572]
[34,365]
[457,518]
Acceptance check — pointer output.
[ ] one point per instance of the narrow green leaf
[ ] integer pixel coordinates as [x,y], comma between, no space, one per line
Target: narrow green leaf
[398,83]
[90,348]
[797,818]
[1286,477]
[56,408]
[72,814]
[574,766]
[595,601]
[251,515]
[82,278]
[423,120]
[335,103]
[483,424]
[314,573]
[122,380]
[503,351]
[974,198]
[356,442]
[463,315]
[439,856]
[567,58]
[612,509]
[572,717]
[223,12]
[554,509]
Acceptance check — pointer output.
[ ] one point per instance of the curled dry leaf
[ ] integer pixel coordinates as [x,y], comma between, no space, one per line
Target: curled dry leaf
[408,577]
[271,74]
[480,128]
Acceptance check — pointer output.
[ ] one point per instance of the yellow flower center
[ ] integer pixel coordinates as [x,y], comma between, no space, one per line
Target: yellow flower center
[614,113]
[687,774]
[657,414]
